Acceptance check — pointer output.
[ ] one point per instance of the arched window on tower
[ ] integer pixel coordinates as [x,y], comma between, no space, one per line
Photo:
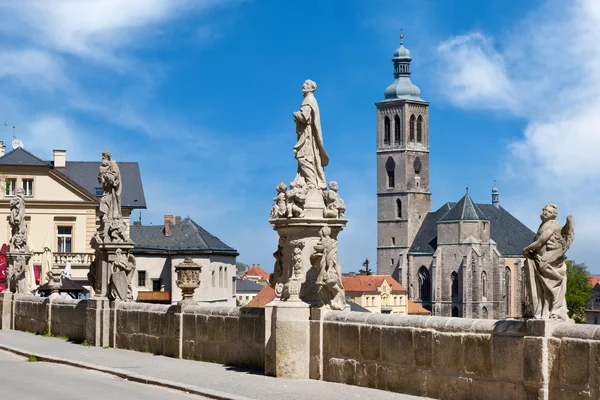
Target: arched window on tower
[386,131]
[411,128]
[397,130]
[455,311]
[420,129]
[398,208]
[483,284]
[390,167]
[424,284]
[454,279]
[507,292]
[484,313]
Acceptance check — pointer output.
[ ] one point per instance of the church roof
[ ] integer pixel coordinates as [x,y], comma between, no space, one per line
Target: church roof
[464,210]
[402,88]
[186,238]
[510,234]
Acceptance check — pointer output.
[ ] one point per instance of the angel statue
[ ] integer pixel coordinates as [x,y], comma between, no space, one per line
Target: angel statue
[545,268]
[120,280]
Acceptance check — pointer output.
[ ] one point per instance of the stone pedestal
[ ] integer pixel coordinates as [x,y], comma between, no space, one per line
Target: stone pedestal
[287,339]
[303,233]
[102,267]
[6,314]
[98,321]
[21,284]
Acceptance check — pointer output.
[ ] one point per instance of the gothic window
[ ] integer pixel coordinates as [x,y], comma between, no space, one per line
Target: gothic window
[420,129]
[390,167]
[454,278]
[424,284]
[396,130]
[507,290]
[483,284]
[411,129]
[417,165]
[386,131]
[484,313]
[398,208]
[455,311]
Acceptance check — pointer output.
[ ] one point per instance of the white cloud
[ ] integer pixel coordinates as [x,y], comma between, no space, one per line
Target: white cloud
[545,71]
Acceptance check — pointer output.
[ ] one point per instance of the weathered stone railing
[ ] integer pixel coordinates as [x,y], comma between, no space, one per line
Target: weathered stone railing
[63,258]
[456,358]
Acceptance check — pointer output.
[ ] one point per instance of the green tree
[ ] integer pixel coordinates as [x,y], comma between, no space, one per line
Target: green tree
[367,270]
[579,290]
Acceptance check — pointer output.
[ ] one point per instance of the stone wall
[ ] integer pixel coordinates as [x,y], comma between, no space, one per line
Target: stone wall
[67,318]
[456,358]
[30,313]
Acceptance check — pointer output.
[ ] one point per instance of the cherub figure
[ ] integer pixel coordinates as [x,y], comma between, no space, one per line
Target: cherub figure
[279,209]
[296,198]
[335,207]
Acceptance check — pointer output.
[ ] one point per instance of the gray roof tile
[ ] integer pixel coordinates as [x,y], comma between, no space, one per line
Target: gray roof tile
[464,210]
[187,238]
[21,156]
[246,285]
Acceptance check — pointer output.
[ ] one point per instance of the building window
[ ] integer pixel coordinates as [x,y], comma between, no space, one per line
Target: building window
[455,311]
[484,313]
[11,186]
[507,291]
[483,284]
[390,167]
[396,130]
[214,278]
[411,128]
[220,276]
[424,284]
[28,187]
[65,239]
[156,285]
[386,131]
[454,278]
[225,276]
[99,192]
[393,241]
[420,129]
[142,278]
[398,208]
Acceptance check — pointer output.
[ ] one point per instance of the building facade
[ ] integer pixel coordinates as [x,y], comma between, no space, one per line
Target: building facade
[463,259]
[377,293]
[62,203]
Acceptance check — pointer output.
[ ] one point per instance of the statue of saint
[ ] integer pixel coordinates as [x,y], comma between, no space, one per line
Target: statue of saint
[47,261]
[16,220]
[120,280]
[309,150]
[329,279]
[110,203]
[546,271]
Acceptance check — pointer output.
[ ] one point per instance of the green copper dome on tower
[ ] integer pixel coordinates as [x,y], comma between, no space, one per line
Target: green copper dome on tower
[402,88]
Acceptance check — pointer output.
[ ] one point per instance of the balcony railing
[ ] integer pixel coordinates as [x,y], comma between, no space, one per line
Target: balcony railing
[63,258]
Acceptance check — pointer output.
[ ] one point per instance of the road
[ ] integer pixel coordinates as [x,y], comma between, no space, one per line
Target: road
[25,380]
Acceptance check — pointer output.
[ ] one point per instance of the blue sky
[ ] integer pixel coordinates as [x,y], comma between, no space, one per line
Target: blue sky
[201,94]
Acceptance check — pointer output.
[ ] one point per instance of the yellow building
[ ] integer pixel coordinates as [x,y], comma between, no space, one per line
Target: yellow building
[61,201]
[377,293]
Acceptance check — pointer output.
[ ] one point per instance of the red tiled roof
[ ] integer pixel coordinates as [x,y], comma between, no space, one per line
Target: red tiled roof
[369,283]
[594,280]
[255,271]
[264,297]
[415,309]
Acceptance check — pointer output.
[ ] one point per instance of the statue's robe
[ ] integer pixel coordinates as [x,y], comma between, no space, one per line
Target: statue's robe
[309,150]
[110,203]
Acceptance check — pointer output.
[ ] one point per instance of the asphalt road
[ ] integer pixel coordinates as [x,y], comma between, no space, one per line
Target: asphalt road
[25,380]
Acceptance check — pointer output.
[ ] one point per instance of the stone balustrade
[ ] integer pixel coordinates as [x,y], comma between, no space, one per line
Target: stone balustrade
[63,258]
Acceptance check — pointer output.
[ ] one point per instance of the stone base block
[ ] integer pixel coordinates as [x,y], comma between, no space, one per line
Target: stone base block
[97,322]
[6,314]
[287,340]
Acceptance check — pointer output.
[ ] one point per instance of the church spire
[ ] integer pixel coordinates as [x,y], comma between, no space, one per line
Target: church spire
[495,196]
[402,88]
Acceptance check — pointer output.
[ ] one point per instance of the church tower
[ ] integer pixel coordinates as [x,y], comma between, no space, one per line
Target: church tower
[403,196]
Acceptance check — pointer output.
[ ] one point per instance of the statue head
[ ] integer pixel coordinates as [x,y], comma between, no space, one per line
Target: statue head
[309,86]
[281,188]
[20,192]
[106,155]
[549,212]
[333,186]
[325,232]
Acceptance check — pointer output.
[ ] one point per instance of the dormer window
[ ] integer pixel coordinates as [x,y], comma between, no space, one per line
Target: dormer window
[99,192]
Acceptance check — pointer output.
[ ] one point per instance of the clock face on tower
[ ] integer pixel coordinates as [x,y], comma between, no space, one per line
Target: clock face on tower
[417,165]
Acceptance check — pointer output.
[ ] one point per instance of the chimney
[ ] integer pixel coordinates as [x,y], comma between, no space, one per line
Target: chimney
[178,220]
[2,148]
[168,224]
[60,158]
[137,223]
[257,265]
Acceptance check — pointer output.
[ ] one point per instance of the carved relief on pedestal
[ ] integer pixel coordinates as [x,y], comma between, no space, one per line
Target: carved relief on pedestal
[329,279]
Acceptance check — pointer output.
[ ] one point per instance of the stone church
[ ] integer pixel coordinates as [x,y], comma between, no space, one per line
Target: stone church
[463,259]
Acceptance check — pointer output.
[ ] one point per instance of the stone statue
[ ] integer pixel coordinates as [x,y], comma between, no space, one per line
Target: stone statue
[17,275]
[309,150]
[329,278]
[112,228]
[546,271]
[276,276]
[47,261]
[120,280]
[334,205]
[279,209]
[16,220]
[296,199]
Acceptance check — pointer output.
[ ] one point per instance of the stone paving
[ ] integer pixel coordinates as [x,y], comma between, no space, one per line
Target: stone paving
[208,379]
